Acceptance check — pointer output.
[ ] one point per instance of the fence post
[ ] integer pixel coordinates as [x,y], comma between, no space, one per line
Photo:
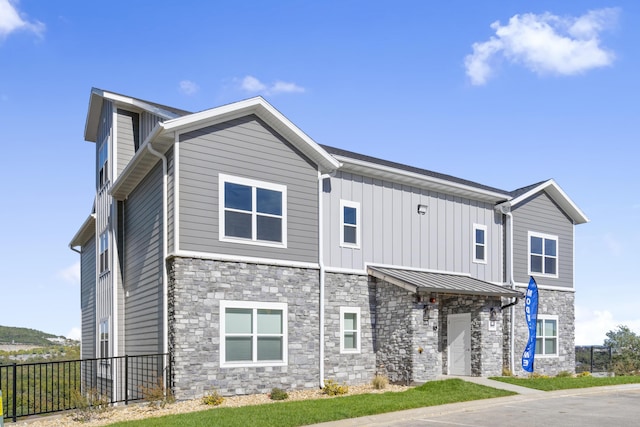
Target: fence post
[126,379]
[1,408]
[14,398]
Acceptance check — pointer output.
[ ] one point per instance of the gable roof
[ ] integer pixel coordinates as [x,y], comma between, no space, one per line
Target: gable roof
[163,136]
[95,107]
[557,195]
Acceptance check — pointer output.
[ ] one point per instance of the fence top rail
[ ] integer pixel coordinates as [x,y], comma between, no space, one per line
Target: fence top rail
[55,362]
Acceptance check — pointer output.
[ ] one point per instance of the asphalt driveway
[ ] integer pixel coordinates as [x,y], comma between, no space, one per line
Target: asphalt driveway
[589,407]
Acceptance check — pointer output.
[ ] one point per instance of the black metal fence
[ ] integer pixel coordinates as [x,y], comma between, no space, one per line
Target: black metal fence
[46,387]
[593,358]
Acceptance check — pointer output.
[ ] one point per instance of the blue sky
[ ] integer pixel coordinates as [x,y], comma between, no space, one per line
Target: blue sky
[503,93]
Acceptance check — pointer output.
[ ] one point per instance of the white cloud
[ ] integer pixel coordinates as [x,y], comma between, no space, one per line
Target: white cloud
[11,20]
[544,44]
[75,333]
[188,87]
[253,85]
[71,274]
[592,325]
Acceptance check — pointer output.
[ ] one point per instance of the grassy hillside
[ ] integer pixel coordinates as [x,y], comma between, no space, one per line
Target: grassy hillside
[9,334]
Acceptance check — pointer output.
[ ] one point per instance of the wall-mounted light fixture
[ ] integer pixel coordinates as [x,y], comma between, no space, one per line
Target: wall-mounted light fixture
[422,209]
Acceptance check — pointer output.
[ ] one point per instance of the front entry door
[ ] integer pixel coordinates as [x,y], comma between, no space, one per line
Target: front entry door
[459,339]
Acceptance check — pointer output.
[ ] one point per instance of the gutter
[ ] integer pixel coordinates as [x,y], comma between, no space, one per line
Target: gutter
[506,210]
[165,293]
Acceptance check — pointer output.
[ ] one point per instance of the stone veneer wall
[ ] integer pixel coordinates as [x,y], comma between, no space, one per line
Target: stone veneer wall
[349,290]
[486,338]
[407,345]
[196,287]
[550,302]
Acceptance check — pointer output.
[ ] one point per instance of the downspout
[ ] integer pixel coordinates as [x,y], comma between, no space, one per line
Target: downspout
[512,310]
[165,296]
[322,274]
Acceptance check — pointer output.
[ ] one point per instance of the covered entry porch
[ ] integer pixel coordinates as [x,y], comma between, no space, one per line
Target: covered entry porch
[430,324]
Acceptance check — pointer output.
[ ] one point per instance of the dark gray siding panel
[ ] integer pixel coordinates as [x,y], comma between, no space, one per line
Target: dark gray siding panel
[247,148]
[541,215]
[143,266]
[128,137]
[88,298]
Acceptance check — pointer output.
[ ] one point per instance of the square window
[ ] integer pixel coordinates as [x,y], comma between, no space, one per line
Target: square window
[253,333]
[349,224]
[252,211]
[350,330]
[547,335]
[543,254]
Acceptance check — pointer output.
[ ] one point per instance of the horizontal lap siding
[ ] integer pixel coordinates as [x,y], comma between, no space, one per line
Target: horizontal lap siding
[170,198]
[128,127]
[247,148]
[143,266]
[394,233]
[540,214]
[88,298]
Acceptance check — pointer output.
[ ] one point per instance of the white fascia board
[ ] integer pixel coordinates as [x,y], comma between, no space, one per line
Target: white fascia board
[559,196]
[95,108]
[266,112]
[128,178]
[383,172]
[86,229]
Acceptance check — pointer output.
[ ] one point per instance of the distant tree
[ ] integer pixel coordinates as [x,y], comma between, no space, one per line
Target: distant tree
[625,346]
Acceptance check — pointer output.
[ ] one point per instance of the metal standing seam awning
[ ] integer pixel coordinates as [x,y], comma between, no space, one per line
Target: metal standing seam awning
[446,283]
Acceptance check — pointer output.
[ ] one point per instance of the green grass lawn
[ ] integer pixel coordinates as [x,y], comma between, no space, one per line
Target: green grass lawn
[563,383]
[298,413]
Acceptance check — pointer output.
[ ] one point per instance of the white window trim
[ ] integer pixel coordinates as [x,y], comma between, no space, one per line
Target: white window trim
[356,206]
[549,317]
[222,179]
[104,167]
[343,311]
[253,305]
[531,234]
[475,243]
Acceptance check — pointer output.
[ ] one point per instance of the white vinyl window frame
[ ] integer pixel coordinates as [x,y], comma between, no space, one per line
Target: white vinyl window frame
[544,255]
[103,163]
[477,244]
[355,332]
[355,227]
[254,184]
[542,337]
[103,252]
[254,306]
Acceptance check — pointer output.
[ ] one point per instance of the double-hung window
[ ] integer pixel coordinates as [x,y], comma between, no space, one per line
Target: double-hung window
[103,163]
[350,330]
[253,333]
[479,243]
[543,254]
[103,263]
[349,224]
[547,335]
[252,211]
[103,339]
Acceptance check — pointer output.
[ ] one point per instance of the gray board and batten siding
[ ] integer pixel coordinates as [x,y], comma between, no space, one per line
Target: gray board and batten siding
[88,297]
[393,233]
[143,266]
[245,147]
[540,214]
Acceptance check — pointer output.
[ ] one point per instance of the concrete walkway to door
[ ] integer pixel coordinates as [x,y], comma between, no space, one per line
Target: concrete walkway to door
[493,383]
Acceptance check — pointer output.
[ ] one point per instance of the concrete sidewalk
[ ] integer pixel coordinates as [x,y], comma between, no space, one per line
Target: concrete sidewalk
[494,384]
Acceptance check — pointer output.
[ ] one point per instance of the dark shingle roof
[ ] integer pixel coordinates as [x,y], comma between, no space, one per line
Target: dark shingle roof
[357,156]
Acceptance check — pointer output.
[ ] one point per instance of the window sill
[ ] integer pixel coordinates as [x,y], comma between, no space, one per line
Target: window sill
[228,365]
[254,242]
